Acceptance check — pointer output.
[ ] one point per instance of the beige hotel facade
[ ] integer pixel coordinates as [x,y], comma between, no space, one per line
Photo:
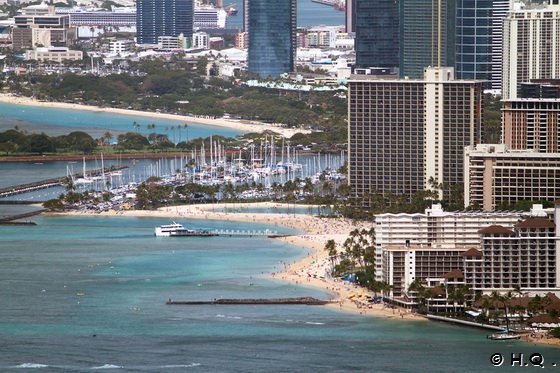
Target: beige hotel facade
[497,176]
[405,132]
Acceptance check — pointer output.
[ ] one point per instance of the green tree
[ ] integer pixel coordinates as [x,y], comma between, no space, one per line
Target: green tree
[133,140]
[8,147]
[81,141]
[40,143]
[330,247]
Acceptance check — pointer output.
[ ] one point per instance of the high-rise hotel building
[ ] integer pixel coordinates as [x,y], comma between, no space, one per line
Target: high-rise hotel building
[531,39]
[155,18]
[497,177]
[532,124]
[272,37]
[405,133]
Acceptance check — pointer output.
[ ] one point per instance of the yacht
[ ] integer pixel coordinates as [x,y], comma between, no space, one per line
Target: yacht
[503,336]
[177,230]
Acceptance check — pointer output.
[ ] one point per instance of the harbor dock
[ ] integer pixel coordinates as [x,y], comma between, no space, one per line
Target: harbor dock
[308,301]
[49,183]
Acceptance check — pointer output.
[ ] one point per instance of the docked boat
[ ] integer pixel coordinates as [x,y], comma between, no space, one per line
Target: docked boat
[503,336]
[178,230]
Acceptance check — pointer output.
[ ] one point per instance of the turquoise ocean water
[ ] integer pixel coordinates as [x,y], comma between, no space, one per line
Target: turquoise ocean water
[85,293]
[56,122]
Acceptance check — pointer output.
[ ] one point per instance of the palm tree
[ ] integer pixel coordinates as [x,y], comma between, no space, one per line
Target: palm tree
[330,247]
[186,126]
[422,294]
[69,184]
[107,136]
[504,299]
[92,29]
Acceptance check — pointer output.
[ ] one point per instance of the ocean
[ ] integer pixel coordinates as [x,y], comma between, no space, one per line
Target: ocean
[308,14]
[88,293]
[55,122]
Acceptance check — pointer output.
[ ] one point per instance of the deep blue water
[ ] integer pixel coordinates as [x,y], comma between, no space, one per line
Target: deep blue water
[308,14]
[54,121]
[80,293]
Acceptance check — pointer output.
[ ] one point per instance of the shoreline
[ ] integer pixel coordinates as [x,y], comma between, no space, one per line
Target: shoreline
[308,270]
[246,126]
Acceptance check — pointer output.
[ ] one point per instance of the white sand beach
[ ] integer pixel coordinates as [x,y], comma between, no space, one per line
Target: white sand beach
[247,126]
[310,271]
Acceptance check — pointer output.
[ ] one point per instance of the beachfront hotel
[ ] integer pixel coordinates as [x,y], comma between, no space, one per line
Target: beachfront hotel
[404,264]
[404,133]
[497,176]
[525,254]
[435,227]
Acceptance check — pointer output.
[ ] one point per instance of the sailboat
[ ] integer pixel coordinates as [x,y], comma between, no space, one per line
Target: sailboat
[84,179]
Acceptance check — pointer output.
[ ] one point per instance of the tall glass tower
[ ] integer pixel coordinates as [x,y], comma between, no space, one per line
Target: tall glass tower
[478,40]
[156,18]
[272,37]
[376,23]
[427,35]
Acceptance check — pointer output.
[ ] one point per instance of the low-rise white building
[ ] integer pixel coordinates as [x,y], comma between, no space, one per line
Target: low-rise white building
[120,46]
[55,54]
[200,40]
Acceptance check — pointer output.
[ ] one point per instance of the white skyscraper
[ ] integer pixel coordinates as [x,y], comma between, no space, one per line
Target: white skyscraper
[531,40]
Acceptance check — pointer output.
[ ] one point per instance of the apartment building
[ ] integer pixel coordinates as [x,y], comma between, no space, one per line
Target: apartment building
[530,50]
[532,124]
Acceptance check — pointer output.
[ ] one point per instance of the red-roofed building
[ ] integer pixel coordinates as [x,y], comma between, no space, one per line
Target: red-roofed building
[526,257]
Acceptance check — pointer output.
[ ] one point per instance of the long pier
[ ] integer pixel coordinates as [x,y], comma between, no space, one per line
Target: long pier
[246,233]
[308,301]
[227,233]
[10,219]
[48,183]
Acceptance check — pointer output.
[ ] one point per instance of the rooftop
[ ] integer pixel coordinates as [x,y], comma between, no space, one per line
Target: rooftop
[536,223]
[495,229]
